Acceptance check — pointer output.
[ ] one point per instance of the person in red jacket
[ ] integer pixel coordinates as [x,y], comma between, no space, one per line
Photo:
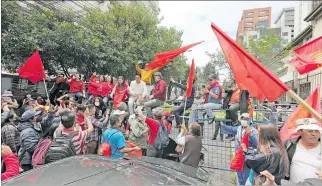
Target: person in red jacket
[95,87]
[120,92]
[11,162]
[77,87]
[159,94]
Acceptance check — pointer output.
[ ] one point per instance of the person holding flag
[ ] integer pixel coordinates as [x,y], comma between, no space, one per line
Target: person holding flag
[190,94]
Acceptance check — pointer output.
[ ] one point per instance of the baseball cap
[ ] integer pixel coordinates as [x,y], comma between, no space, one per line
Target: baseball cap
[307,124]
[29,114]
[244,115]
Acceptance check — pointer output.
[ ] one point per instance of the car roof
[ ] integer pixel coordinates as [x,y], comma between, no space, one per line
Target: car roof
[99,170]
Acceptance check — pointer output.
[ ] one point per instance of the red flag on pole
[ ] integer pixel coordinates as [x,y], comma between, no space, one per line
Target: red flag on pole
[33,69]
[308,56]
[163,58]
[249,74]
[288,129]
[190,79]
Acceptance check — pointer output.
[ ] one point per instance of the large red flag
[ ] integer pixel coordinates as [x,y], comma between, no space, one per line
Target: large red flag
[308,56]
[190,79]
[33,69]
[163,58]
[248,72]
[288,129]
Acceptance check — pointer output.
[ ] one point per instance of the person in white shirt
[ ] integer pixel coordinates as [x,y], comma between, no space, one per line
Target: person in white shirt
[138,91]
[304,152]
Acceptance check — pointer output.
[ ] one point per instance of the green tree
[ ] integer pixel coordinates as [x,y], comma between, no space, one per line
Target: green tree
[109,42]
[265,49]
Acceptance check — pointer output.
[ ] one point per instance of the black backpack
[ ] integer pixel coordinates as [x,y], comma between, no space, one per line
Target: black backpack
[61,147]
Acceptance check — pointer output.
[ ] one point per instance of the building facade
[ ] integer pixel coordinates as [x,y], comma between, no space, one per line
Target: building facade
[285,21]
[253,19]
[308,26]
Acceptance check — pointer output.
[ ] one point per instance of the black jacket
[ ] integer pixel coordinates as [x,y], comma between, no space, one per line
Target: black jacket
[184,87]
[243,97]
[259,162]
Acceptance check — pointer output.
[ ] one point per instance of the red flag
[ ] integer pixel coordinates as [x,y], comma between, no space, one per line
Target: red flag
[237,163]
[190,79]
[33,69]
[248,72]
[288,129]
[308,56]
[163,58]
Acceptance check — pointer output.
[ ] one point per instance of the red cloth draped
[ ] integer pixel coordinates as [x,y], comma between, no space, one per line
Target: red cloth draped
[238,162]
[211,87]
[120,95]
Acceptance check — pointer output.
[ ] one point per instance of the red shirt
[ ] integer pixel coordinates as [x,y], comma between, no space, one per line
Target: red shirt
[12,166]
[76,86]
[160,90]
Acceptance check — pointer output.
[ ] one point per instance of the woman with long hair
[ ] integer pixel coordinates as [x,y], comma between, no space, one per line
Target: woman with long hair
[120,92]
[270,155]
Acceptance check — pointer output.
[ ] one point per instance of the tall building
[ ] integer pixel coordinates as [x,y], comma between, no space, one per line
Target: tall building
[285,21]
[253,19]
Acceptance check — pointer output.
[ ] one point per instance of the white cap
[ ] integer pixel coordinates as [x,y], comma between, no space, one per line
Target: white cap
[307,124]
[118,112]
[244,115]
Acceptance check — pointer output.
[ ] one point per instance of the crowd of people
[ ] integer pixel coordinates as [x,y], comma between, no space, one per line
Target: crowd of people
[75,120]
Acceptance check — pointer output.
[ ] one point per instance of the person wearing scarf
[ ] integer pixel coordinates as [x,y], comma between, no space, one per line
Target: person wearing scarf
[212,100]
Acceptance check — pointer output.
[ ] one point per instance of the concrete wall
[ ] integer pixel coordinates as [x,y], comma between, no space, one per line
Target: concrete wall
[302,9]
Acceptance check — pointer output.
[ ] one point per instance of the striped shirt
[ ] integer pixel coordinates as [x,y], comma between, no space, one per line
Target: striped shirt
[78,140]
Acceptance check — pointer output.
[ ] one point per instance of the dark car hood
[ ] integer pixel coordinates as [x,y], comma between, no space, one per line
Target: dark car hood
[98,170]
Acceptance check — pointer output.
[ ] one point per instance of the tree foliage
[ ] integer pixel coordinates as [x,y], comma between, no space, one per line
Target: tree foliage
[265,49]
[110,42]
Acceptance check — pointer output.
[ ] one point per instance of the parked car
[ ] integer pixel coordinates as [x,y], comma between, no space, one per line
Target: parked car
[93,170]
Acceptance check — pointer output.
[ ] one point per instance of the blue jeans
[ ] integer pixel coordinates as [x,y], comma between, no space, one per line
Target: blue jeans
[77,95]
[208,107]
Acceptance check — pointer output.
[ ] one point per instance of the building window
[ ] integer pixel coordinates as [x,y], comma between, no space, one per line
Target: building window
[248,29]
[249,13]
[282,99]
[285,41]
[305,90]
[248,18]
[249,23]
[285,33]
[292,36]
[263,17]
[263,12]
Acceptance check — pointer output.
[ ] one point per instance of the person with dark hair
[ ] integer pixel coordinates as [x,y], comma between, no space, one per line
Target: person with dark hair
[114,136]
[68,124]
[159,94]
[77,87]
[98,123]
[235,100]
[59,88]
[29,137]
[189,145]
[212,99]
[120,92]
[9,132]
[154,125]
[180,109]
[138,91]
[304,152]
[270,155]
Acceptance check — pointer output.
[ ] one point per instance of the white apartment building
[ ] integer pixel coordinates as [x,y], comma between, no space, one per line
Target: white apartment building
[307,26]
[285,21]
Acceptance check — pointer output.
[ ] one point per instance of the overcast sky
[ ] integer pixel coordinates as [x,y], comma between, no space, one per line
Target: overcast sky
[194,19]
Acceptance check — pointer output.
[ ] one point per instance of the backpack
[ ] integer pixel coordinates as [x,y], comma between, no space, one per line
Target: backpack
[105,148]
[162,139]
[38,158]
[61,147]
